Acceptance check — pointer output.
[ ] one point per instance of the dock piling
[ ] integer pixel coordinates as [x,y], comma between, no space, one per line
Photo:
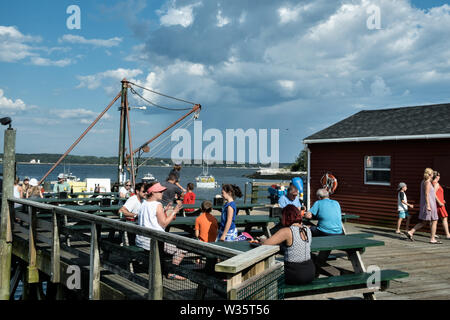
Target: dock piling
[9,159]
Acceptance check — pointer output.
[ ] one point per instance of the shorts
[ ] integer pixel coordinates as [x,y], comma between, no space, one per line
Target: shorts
[403,214]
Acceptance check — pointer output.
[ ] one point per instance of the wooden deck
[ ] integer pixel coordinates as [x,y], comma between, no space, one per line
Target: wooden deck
[428,265]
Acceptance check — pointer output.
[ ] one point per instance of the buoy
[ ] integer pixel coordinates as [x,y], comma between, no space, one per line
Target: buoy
[329,182]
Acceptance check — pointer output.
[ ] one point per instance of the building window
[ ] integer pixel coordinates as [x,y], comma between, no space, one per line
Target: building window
[377,170]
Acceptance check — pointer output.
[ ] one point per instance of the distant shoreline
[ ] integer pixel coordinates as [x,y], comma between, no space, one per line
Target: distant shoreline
[156,166]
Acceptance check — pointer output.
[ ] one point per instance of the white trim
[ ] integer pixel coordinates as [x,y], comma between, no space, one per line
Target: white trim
[379,138]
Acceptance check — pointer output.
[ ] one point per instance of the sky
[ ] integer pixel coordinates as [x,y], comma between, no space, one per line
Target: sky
[294,66]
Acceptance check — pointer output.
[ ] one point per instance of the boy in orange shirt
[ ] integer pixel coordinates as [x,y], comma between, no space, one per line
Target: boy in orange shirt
[206,226]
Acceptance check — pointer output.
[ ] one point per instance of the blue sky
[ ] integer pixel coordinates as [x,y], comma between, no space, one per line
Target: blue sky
[296,66]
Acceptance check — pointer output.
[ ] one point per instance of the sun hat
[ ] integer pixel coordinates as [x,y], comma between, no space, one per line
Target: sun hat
[61,176]
[401,185]
[33,182]
[156,188]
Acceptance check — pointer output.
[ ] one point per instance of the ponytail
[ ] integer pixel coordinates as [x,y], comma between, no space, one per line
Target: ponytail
[233,189]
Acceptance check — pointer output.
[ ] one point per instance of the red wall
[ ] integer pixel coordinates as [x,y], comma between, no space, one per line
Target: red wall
[377,205]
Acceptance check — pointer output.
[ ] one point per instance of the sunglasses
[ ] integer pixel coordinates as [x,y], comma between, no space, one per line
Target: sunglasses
[128,185]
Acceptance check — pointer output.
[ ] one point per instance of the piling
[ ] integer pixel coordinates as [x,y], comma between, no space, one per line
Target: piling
[9,160]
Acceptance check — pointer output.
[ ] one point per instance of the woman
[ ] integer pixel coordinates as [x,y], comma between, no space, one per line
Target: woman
[227,228]
[35,190]
[17,192]
[152,215]
[442,212]
[296,241]
[428,209]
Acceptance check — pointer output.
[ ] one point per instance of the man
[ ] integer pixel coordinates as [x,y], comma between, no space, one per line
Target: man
[290,198]
[329,216]
[328,213]
[172,191]
[61,185]
[25,187]
[130,209]
[125,191]
[176,171]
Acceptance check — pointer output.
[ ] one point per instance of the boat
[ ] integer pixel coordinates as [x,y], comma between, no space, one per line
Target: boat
[148,177]
[205,180]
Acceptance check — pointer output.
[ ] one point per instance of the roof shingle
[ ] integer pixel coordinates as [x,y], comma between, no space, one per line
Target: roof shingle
[405,121]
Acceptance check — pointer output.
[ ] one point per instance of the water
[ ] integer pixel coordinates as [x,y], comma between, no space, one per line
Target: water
[187,174]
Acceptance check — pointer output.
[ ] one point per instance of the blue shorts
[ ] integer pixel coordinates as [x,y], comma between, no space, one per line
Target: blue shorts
[403,214]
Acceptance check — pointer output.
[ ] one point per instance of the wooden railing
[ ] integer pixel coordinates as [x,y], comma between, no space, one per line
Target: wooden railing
[245,265]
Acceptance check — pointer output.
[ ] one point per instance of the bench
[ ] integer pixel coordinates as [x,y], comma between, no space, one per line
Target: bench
[341,283]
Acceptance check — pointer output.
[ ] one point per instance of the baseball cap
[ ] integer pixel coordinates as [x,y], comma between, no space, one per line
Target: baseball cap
[26,178]
[156,188]
[33,182]
[401,185]
[61,176]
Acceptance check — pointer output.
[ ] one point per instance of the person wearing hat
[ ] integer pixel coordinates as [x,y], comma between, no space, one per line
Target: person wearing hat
[61,185]
[35,190]
[152,215]
[25,187]
[402,207]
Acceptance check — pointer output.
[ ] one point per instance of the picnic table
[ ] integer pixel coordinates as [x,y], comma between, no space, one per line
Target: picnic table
[71,200]
[187,223]
[94,208]
[239,206]
[356,279]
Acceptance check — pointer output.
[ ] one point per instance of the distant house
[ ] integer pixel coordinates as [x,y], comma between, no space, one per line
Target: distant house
[372,151]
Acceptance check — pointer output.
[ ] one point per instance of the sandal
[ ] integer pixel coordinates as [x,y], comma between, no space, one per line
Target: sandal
[410,237]
[436,242]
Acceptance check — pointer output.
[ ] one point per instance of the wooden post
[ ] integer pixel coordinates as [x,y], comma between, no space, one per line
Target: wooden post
[33,273]
[245,193]
[254,193]
[122,132]
[155,286]
[9,159]
[56,257]
[94,272]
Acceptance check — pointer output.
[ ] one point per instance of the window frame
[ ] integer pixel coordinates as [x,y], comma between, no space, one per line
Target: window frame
[377,169]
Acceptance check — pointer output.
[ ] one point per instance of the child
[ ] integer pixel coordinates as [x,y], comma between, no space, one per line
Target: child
[227,229]
[206,226]
[189,197]
[402,204]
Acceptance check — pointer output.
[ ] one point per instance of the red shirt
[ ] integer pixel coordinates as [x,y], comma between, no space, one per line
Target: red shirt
[189,198]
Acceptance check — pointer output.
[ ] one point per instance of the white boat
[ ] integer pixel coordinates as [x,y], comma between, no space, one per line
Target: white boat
[206,180]
[148,177]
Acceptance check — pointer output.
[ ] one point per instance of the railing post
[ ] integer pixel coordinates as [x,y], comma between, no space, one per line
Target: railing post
[33,273]
[9,158]
[94,270]
[56,256]
[255,190]
[155,286]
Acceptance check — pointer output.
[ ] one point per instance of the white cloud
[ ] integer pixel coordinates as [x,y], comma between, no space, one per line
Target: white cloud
[221,21]
[379,88]
[182,16]
[39,61]
[288,14]
[83,116]
[97,80]
[108,43]
[10,106]
[14,46]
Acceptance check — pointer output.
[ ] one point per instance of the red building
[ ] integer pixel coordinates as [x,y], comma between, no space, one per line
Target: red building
[371,152]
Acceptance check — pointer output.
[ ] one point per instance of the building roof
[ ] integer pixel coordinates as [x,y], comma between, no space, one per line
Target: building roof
[430,121]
